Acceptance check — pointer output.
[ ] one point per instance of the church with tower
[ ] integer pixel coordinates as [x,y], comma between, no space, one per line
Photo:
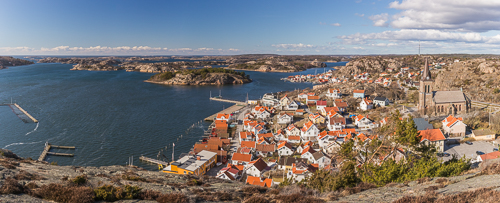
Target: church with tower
[440,102]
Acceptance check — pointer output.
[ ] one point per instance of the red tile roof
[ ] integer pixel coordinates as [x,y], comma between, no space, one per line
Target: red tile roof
[492,155]
[242,157]
[252,180]
[431,135]
[321,103]
[248,144]
[358,91]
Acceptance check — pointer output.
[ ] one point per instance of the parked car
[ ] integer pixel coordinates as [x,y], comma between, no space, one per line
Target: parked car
[495,149]
[446,154]
[468,142]
[440,154]
[479,152]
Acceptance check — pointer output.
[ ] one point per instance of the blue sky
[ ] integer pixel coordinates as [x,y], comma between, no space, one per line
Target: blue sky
[44,27]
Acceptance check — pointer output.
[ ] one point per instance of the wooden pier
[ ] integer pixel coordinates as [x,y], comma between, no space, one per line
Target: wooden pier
[47,148]
[227,100]
[155,161]
[25,112]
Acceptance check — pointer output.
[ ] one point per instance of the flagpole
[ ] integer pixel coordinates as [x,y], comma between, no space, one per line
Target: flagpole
[173,146]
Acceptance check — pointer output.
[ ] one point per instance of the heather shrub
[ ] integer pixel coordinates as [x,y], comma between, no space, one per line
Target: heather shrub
[148,195]
[60,193]
[11,186]
[79,180]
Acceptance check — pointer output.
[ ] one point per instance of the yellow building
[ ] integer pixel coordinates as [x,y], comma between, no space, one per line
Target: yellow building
[198,164]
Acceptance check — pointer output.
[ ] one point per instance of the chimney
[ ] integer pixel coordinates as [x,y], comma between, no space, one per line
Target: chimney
[198,158]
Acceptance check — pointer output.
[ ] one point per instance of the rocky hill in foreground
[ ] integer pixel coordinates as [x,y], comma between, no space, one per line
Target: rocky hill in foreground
[24,180]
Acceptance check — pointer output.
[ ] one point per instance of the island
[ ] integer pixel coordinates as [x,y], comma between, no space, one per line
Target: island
[159,64]
[11,61]
[204,76]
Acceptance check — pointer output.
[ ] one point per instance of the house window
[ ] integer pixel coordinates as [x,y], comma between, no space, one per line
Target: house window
[460,107]
[184,172]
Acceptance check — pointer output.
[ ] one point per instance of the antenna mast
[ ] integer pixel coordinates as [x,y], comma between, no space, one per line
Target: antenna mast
[418,47]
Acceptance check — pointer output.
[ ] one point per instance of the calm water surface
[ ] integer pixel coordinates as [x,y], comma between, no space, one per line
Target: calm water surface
[110,116]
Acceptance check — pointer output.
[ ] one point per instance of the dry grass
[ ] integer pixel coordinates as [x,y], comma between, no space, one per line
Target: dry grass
[490,169]
[479,195]
[9,164]
[23,175]
[423,180]
[11,186]
[60,193]
[359,188]
[441,180]
[173,198]
[298,198]
[256,199]
[149,195]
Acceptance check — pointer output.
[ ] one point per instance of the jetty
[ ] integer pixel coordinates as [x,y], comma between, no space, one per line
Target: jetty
[237,106]
[155,161]
[48,146]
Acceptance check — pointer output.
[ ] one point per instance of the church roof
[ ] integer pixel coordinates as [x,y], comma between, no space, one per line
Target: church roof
[449,96]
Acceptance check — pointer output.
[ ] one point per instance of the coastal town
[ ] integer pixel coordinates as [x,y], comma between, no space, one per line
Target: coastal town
[287,137]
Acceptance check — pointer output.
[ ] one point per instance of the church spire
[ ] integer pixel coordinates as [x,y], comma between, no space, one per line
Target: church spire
[426,74]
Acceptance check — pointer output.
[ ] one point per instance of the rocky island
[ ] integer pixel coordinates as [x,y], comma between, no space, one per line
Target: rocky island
[204,76]
[11,61]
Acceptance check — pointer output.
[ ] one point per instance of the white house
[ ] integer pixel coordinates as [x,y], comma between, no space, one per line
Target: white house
[321,159]
[292,130]
[285,118]
[454,127]
[269,100]
[307,153]
[433,136]
[258,129]
[284,101]
[380,101]
[366,104]
[309,132]
[302,96]
[363,123]
[285,149]
[300,171]
[334,93]
[256,168]
[320,105]
[247,136]
[336,123]
[292,106]
[224,117]
[263,114]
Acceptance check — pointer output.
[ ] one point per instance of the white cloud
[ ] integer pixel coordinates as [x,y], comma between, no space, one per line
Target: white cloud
[289,46]
[335,24]
[414,34]
[463,15]
[104,50]
[380,20]
[360,14]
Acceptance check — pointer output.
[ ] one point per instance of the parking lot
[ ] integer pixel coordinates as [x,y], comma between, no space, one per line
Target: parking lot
[468,150]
